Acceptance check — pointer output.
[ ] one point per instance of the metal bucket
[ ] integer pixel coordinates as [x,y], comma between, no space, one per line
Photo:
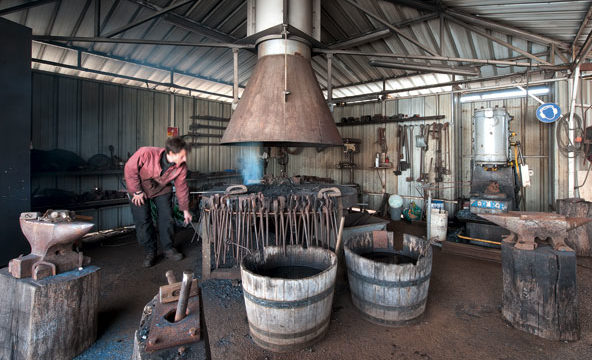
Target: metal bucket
[288,311]
[388,293]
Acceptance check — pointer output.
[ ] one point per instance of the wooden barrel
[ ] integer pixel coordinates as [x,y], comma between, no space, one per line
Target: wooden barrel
[288,297]
[387,292]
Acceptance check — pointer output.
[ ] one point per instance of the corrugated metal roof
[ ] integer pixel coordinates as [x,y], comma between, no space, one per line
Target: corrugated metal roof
[211,70]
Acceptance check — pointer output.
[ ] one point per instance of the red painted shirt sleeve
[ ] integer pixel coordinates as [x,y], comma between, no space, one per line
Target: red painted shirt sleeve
[131,171]
[182,190]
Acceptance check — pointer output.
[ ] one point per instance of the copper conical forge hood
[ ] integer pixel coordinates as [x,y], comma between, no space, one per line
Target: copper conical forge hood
[282,104]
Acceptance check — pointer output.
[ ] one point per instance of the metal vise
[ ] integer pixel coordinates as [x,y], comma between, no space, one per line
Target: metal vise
[526,226]
[51,237]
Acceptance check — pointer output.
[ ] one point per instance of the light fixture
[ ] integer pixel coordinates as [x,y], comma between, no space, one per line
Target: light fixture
[504,94]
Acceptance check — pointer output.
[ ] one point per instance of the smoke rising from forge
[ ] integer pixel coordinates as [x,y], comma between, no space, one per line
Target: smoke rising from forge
[251,166]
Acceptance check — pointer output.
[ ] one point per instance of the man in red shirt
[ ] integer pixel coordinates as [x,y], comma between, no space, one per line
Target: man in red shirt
[148,174]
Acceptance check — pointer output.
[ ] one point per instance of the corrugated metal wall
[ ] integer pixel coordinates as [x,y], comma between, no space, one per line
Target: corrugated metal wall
[534,137]
[564,186]
[86,116]
[323,164]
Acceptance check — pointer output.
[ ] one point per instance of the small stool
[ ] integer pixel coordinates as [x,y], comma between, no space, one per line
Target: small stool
[53,318]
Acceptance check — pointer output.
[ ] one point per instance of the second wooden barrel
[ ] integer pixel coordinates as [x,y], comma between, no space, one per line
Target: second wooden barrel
[288,295]
[389,287]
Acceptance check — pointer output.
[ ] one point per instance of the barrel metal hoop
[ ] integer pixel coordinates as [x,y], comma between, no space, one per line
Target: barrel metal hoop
[386,283]
[288,347]
[296,335]
[380,321]
[415,306]
[289,304]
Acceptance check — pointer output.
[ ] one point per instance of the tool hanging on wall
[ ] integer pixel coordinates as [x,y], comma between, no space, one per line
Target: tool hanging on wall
[402,141]
[409,149]
[446,130]
[422,141]
[437,135]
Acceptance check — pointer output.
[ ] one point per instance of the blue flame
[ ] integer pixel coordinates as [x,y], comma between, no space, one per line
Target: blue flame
[251,166]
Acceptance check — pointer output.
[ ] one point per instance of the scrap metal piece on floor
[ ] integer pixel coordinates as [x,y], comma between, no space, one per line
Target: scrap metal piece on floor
[526,226]
[51,237]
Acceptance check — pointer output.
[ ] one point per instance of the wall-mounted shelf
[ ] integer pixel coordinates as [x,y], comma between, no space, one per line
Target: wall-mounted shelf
[77,173]
[85,205]
[210,118]
[393,120]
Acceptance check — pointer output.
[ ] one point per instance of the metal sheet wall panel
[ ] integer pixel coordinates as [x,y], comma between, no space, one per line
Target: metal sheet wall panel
[86,116]
[534,138]
[322,164]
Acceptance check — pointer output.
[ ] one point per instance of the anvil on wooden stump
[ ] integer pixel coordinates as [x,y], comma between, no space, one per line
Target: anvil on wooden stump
[527,226]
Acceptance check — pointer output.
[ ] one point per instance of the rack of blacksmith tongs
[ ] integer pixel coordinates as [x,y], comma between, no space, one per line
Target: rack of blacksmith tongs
[235,223]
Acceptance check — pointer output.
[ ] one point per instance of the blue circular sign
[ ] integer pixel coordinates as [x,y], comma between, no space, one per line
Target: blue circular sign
[548,112]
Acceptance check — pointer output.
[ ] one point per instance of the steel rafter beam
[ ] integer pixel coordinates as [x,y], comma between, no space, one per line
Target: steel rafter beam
[443,69]
[390,27]
[438,58]
[482,22]
[147,18]
[497,40]
[189,24]
[379,34]
[24,6]
[584,50]
[583,26]
[127,60]
[140,41]
[142,80]
[375,95]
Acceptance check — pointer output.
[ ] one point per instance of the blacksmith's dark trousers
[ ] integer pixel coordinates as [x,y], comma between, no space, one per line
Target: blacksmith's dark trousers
[145,232]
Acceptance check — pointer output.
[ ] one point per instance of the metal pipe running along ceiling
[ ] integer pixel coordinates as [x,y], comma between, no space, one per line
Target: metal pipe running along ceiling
[282,104]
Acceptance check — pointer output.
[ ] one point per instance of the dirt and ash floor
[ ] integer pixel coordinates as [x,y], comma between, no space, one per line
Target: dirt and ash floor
[462,319]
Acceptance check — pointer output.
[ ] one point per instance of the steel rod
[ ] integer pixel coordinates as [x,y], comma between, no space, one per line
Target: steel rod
[170,275]
[184,295]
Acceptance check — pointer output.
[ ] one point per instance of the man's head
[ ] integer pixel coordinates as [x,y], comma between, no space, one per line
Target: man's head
[176,150]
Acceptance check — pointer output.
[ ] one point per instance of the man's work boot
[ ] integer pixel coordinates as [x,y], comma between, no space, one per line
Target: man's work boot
[173,254]
[149,259]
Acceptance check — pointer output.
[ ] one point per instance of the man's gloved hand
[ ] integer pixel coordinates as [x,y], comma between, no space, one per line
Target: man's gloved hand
[187,216]
[138,198]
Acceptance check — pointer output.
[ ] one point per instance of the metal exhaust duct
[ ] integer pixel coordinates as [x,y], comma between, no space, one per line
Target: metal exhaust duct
[282,104]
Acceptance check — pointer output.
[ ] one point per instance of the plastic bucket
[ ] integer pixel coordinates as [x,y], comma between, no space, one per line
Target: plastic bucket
[439,224]
[396,206]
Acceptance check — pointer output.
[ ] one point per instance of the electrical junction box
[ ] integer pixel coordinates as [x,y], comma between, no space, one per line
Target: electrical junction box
[525,175]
